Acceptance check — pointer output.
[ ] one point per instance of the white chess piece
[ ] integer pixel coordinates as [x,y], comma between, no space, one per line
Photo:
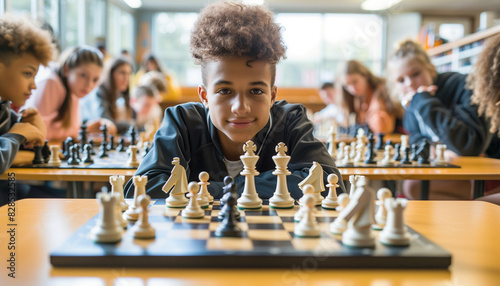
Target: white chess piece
[132,160]
[117,187]
[107,229]
[315,178]
[132,213]
[281,198]
[142,228]
[339,225]
[54,159]
[347,160]
[308,226]
[359,159]
[340,151]
[395,232]
[204,176]
[381,215]
[308,189]
[388,156]
[193,209]
[440,159]
[352,181]
[332,146]
[249,198]
[177,186]
[404,142]
[343,200]
[121,221]
[330,202]
[352,154]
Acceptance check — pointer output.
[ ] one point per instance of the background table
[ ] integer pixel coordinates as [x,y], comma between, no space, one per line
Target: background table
[468,229]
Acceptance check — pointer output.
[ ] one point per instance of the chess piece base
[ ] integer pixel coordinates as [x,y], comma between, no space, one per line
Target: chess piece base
[110,236]
[359,238]
[143,232]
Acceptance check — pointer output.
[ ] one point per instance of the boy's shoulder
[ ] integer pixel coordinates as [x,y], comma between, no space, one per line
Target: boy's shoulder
[282,107]
[187,111]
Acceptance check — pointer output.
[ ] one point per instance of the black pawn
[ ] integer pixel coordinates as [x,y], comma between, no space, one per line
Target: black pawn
[228,226]
[46,152]
[370,153]
[104,130]
[103,150]
[413,156]
[121,145]
[397,152]
[73,153]
[87,151]
[406,156]
[66,145]
[91,143]
[82,135]
[111,144]
[380,141]
[38,155]
[424,153]
[132,135]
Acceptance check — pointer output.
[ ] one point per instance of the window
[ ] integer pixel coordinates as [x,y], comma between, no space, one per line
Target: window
[19,7]
[120,31]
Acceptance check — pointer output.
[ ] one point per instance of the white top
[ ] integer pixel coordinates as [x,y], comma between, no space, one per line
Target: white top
[233,167]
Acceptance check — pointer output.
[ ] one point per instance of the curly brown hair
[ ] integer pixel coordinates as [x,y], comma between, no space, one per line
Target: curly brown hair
[485,83]
[231,29]
[19,36]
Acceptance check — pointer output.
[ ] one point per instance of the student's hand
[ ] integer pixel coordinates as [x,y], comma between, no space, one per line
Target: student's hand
[33,135]
[95,126]
[431,89]
[32,116]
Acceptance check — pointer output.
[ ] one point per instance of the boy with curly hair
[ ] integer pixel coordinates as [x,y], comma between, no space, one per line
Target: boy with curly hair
[23,47]
[238,47]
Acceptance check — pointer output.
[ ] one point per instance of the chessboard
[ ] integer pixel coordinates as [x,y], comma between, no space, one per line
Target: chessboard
[114,160]
[267,241]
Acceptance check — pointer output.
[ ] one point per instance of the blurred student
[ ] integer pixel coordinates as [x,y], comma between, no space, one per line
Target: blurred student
[147,111]
[328,95]
[438,109]
[57,94]
[111,100]
[156,80]
[366,95]
[150,63]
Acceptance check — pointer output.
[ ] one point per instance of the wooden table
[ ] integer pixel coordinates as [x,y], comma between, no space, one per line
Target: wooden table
[468,229]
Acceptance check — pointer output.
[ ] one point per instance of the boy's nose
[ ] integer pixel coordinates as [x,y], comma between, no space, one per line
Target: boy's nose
[240,105]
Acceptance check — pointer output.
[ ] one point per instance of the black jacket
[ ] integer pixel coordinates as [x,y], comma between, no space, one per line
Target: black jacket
[449,118]
[9,143]
[188,133]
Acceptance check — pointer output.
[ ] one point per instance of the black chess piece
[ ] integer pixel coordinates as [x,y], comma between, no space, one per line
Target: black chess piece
[380,141]
[146,147]
[132,135]
[406,156]
[103,150]
[87,151]
[413,156]
[121,145]
[397,152]
[66,145]
[370,153]
[111,144]
[424,153]
[38,155]
[91,143]
[73,153]
[82,135]
[228,183]
[104,130]
[46,151]
[228,226]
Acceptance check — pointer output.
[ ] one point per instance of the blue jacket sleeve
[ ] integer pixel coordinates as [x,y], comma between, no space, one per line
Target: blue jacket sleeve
[9,146]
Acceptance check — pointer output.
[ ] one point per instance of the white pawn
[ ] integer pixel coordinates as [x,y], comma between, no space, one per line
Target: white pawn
[352,181]
[330,202]
[117,187]
[281,198]
[54,159]
[132,213]
[142,228]
[193,209]
[308,189]
[404,142]
[440,159]
[343,200]
[395,232]
[332,147]
[352,154]
[347,160]
[308,226]
[107,229]
[340,153]
[204,176]
[388,156]
[249,198]
[120,220]
[360,153]
[132,160]
[381,214]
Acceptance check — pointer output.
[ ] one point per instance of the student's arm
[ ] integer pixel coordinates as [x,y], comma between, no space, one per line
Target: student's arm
[9,146]
[458,126]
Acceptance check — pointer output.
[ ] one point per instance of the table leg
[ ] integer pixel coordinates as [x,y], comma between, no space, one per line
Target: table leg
[75,189]
[478,188]
[424,190]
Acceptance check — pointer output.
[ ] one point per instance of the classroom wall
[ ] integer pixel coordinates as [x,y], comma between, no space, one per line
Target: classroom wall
[401,26]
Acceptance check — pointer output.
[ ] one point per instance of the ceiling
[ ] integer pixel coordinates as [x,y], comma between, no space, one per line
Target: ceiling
[342,6]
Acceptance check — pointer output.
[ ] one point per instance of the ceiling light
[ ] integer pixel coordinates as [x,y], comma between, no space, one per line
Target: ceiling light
[133,3]
[377,5]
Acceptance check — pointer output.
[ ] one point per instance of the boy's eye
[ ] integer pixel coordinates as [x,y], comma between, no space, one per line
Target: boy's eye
[28,74]
[224,91]
[256,91]
[416,74]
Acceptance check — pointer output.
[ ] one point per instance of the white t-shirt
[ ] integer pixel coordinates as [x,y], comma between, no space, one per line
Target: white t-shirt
[234,167]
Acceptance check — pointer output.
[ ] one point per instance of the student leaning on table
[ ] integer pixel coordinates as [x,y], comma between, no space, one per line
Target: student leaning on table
[438,109]
[485,83]
[23,47]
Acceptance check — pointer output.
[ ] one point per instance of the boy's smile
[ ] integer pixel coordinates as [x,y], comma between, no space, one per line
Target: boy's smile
[239,96]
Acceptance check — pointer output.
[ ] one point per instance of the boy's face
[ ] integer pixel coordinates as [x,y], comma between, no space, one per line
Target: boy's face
[238,97]
[83,78]
[17,79]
